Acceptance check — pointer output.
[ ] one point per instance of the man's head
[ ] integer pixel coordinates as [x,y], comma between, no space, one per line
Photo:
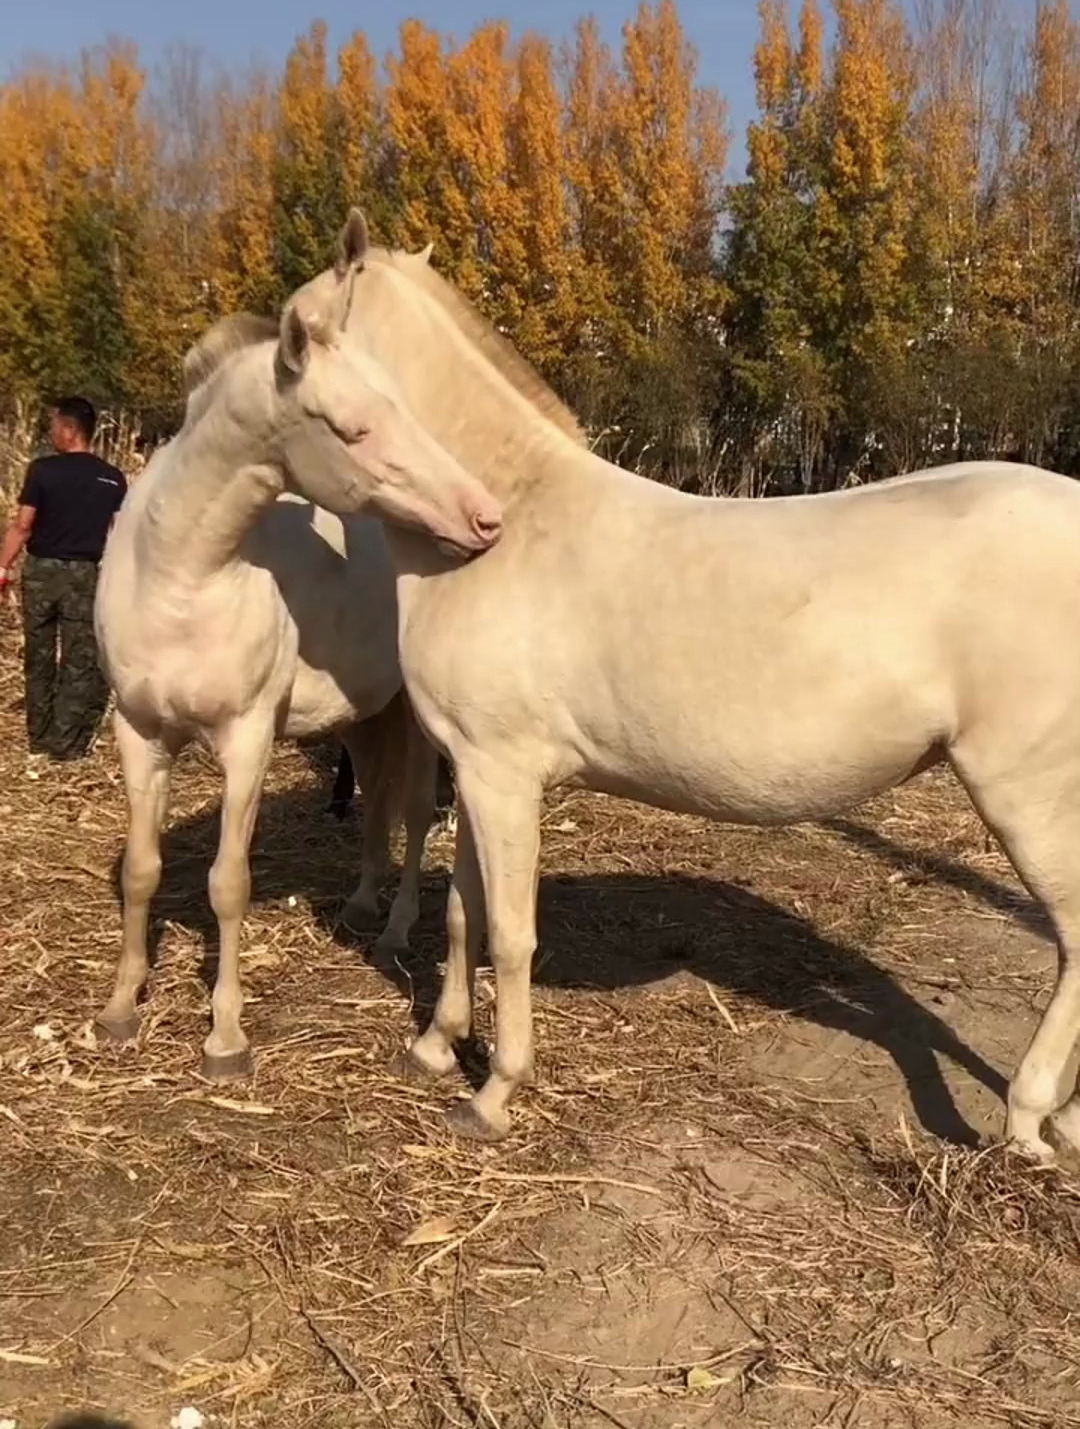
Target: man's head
[71,428]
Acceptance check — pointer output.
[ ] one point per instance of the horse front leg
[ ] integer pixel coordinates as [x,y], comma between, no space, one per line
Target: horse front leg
[503,812]
[147,765]
[244,751]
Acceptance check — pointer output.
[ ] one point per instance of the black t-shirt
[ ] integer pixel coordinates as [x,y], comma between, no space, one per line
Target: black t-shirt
[76,495]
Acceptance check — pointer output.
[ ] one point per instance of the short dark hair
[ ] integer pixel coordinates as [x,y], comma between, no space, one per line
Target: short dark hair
[79,411]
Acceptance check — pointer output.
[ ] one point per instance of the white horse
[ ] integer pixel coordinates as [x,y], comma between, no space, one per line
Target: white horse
[763,662]
[228,615]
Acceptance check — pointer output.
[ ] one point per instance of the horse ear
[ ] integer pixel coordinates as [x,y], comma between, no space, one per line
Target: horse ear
[294,344]
[352,243]
[424,256]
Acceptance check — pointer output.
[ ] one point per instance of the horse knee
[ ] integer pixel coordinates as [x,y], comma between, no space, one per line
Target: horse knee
[140,875]
[230,889]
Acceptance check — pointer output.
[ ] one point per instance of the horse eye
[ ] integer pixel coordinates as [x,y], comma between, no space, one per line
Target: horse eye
[346,433]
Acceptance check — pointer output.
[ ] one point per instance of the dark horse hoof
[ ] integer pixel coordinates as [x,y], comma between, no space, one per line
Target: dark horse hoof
[464,1120]
[228,1067]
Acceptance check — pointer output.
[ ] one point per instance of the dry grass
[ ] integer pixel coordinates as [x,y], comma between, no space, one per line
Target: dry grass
[721,1203]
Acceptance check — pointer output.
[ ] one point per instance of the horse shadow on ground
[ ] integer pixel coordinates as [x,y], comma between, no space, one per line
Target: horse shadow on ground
[611,932]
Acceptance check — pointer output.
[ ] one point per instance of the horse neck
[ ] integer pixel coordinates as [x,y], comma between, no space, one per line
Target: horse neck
[222,475]
[492,429]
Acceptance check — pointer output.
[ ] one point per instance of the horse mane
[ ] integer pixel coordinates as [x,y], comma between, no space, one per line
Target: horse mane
[228,335]
[484,336]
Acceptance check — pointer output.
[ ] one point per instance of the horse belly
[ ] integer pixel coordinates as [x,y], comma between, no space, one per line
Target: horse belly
[317,702]
[773,770]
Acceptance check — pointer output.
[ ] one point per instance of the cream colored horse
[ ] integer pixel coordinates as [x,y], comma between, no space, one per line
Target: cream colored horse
[762,662]
[226,614]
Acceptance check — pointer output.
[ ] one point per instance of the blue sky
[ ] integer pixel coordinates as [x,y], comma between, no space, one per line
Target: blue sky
[238,32]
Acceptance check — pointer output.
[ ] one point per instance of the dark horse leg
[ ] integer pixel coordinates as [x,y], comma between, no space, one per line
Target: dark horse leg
[445,791]
[345,787]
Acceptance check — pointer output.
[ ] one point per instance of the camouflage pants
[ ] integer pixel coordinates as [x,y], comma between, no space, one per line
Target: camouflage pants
[66,692]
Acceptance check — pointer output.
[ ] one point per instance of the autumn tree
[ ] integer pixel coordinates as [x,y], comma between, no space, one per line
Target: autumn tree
[77,172]
[306,169]
[547,284]
[429,203]
[1042,211]
[671,148]
[599,198]
[35,116]
[777,264]
[169,296]
[359,138]
[961,244]
[645,152]
[242,271]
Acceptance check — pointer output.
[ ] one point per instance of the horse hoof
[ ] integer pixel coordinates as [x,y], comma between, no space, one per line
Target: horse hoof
[228,1066]
[464,1120]
[407,1067]
[1037,1152]
[359,917]
[118,1030]
[1066,1123]
[390,941]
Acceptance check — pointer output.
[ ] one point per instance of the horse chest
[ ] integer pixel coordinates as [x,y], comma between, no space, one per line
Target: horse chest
[202,660]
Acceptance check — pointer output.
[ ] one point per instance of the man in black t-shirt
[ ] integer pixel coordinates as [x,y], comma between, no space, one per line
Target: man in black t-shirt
[66,508]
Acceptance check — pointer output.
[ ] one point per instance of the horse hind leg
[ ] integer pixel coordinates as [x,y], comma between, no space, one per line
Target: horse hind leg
[375,770]
[1036,815]
[341,796]
[420,775]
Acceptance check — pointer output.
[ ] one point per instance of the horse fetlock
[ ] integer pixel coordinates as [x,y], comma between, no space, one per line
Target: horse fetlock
[361,910]
[471,1121]
[394,938]
[1033,1094]
[1023,1132]
[430,1056]
[513,1072]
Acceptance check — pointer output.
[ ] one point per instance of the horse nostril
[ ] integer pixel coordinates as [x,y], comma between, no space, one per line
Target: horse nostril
[487,527]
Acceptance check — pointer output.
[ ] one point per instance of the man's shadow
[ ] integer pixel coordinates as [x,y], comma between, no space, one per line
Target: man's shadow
[609,932]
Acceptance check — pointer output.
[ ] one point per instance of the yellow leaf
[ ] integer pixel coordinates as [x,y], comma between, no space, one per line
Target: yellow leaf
[17,1357]
[702,1379]
[245,1108]
[432,1232]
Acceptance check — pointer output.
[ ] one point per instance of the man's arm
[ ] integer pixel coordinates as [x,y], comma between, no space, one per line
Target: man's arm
[16,537]
[18,533]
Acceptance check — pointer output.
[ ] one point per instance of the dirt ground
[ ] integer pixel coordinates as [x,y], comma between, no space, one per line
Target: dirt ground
[755,1184]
